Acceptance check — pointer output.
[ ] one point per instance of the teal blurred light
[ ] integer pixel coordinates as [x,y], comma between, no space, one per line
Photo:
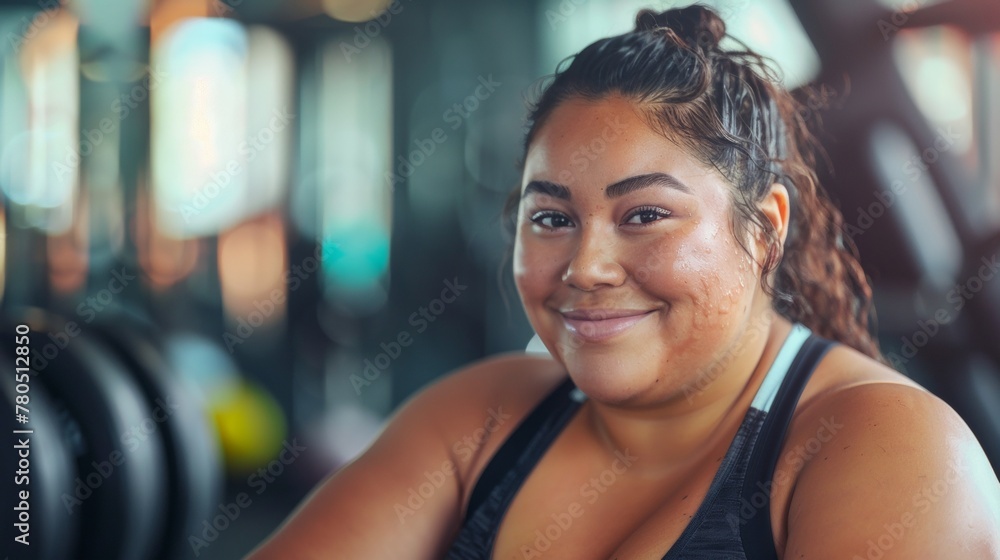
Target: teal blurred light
[356,258]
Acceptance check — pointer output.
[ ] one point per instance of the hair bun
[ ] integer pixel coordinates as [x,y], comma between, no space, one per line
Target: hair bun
[696,25]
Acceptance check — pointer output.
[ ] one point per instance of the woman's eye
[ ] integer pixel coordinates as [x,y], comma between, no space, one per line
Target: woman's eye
[551,220]
[643,216]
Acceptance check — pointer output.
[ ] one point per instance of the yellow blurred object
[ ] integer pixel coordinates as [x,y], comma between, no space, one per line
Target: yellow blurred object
[355,10]
[251,426]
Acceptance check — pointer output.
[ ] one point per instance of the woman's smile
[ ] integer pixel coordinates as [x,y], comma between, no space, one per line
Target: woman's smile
[599,325]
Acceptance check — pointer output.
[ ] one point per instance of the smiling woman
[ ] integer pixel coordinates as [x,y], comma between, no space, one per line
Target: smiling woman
[712,389]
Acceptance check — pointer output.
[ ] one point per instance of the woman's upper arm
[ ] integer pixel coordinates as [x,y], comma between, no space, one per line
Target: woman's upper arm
[400,499]
[903,478]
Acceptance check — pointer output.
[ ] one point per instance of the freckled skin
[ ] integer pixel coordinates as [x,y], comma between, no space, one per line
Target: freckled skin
[689,267]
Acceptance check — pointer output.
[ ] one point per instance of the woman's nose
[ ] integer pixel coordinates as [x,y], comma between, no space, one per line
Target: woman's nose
[594,264]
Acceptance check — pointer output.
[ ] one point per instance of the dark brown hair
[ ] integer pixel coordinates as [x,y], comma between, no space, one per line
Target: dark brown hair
[728,109]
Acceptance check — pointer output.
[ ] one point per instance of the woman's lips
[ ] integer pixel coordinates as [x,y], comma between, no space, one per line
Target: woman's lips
[602,325]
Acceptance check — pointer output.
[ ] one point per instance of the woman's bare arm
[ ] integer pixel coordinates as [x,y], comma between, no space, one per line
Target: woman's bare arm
[363,511]
[904,478]
[403,497]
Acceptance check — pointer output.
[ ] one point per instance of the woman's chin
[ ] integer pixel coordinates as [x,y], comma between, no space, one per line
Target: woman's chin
[613,394]
[613,381]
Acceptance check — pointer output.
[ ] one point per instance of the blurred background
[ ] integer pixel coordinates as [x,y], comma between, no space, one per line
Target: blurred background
[241,232]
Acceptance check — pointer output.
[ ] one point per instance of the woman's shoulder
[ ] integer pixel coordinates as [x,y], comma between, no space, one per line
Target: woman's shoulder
[845,375]
[515,381]
[873,402]
[476,407]
[873,452]
[512,375]
[876,401]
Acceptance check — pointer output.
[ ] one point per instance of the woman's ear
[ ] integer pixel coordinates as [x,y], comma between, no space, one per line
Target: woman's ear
[775,208]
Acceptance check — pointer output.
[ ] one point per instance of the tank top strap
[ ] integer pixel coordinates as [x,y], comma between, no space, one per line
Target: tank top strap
[775,376]
[756,532]
[509,467]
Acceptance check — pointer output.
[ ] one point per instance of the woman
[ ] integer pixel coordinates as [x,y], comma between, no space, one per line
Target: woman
[679,262]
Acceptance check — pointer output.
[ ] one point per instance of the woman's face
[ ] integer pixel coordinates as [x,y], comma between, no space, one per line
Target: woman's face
[625,257]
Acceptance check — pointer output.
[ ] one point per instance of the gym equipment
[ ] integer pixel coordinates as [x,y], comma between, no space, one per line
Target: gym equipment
[109,429]
[194,470]
[50,472]
[125,462]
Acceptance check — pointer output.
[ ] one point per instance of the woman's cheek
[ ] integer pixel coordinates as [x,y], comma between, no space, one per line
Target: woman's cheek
[717,286]
[734,293]
[534,267]
[523,255]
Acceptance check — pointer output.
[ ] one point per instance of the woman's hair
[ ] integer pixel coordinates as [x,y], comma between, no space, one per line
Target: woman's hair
[728,109]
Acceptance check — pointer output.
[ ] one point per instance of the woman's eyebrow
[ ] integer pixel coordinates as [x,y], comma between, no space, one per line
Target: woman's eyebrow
[631,184]
[549,188]
[614,190]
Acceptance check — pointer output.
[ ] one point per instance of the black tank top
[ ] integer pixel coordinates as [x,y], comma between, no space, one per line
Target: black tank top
[733,521]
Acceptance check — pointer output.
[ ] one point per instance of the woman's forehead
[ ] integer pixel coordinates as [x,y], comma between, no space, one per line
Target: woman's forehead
[602,141]
[578,123]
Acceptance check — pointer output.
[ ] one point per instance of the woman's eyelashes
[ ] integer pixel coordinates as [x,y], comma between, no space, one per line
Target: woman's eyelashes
[550,219]
[646,215]
[642,216]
